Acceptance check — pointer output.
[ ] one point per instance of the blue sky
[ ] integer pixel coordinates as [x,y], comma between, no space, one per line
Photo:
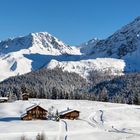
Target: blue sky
[72,21]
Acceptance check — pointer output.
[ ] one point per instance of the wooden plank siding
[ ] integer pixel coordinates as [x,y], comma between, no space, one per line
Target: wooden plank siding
[70,115]
[35,113]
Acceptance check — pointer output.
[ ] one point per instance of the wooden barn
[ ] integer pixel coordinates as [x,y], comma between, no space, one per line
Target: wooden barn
[25,96]
[35,112]
[69,114]
[3,99]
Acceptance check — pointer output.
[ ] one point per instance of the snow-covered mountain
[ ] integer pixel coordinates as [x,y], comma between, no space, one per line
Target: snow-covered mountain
[42,43]
[24,54]
[36,50]
[123,44]
[87,48]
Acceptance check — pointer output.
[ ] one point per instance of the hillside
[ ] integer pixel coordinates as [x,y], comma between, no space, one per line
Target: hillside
[45,83]
[98,121]
[59,84]
[33,51]
[123,44]
[29,53]
[122,89]
[84,67]
[97,70]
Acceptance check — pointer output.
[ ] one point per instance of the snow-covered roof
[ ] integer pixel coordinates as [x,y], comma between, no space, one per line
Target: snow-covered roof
[33,106]
[23,114]
[67,111]
[3,98]
[29,108]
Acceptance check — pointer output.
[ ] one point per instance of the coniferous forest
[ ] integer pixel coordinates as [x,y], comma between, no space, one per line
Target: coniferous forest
[58,84]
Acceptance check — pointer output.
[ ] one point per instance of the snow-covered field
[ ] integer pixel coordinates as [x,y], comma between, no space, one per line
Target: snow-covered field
[98,121]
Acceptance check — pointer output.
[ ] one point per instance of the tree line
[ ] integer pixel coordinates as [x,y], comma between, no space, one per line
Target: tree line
[58,84]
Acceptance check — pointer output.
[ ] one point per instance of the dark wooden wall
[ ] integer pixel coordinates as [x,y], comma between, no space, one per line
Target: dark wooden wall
[35,113]
[72,115]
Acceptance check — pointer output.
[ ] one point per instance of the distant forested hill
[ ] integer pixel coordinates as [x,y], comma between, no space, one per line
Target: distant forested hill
[58,84]
[122,89]
[44,83]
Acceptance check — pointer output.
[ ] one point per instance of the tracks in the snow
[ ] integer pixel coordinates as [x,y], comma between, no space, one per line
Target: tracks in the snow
[66,128]
[94,121]
[63,129]
[101,116]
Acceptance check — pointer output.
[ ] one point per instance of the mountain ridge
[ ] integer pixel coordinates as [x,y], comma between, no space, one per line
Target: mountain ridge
[123,44]
[24,54]
[36,50]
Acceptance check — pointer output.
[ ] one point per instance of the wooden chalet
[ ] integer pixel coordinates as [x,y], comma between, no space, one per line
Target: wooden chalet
[35,112]
[69,114]
[3,99]
[25,96]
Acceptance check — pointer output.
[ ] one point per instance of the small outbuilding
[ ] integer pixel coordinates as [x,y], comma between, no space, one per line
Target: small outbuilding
[25,96]
[3,99]
[69,114]
[35,112]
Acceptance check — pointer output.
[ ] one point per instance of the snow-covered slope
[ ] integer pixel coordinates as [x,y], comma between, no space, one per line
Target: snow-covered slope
[24,54]
[97,121]
[42,43]
[34,51]
[87,48]
[123,44]
[84,67]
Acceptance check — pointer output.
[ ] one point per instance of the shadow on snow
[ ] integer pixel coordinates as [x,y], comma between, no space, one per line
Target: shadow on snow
[9,119]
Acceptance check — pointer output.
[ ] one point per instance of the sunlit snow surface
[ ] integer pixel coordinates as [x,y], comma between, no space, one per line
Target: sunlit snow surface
[97,121]
[118,53]
[32,52]
[84,67]
[25,54]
